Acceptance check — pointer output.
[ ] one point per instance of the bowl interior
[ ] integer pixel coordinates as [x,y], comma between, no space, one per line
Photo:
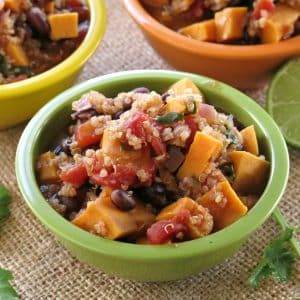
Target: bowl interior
[55,116]
[68,66]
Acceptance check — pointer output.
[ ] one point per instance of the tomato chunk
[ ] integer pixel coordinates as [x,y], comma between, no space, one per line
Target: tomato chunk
[193,127]
[75,175]
[135,125]
[158,145]
[164,231]
[85,135]
[262,5]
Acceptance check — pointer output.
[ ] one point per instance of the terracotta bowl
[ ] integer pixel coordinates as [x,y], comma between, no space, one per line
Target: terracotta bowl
[244,67]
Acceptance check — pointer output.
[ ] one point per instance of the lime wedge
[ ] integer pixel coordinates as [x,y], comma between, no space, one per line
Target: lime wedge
[283,101]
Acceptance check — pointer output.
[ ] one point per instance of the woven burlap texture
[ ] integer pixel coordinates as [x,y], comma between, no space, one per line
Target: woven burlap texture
[43,269]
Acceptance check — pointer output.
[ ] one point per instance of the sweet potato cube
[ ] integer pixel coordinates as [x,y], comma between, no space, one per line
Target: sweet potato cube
[202,31]
[111,146]
[17,54]
[251,172]
[279,24]
[175,208]
[63,26]
[47,168]
[174,106]
[184,86]
[223,204]
[13,5]
[102,217]
[203,150]
[249,140]
[230,23]
[50,7]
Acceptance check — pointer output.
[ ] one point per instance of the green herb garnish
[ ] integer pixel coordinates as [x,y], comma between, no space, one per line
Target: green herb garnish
[3,66]
[5,200]
[170,117]
[277,260]
[7,292]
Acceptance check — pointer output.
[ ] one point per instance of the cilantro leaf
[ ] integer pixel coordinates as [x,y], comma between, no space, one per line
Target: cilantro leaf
[277,260]
[5,200]
[170,117]
[6,290]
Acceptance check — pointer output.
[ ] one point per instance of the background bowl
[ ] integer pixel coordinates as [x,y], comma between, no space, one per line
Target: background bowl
[21,100]
[145,262]
[241,66]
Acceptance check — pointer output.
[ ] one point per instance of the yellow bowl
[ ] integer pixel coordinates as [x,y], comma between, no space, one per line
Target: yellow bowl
[21,100]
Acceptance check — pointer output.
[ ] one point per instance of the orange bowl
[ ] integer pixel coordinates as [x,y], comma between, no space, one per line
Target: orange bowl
[241,66]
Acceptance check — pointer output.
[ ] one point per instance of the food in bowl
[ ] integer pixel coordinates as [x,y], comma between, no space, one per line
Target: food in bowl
[225,21]
[36,35]
[149,168]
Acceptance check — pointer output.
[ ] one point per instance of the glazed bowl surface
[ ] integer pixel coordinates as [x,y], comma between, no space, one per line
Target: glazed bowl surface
[244,67]
[146,262]
[19,101]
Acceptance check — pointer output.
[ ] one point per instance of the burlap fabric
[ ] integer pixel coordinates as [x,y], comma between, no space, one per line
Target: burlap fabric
[43,269]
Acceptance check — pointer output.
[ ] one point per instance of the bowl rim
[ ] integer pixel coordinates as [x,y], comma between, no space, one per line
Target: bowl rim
[165,35]
[232,234]
[66,67]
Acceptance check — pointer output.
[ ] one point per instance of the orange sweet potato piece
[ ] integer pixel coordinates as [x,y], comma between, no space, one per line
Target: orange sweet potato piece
[49,7]
[184,86]
[224,205]
[200,222]
[174,105]
[111,146]
[175,208]
[63,26]
[14,5]
[249,140]
[230,23]
[202,31]
[279,24]
[47,168]
[102,217]
[203,150]
[251,172]
[17,54]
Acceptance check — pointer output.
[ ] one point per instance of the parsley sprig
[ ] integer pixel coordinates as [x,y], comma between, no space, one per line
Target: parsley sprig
[7,292]
[278,258]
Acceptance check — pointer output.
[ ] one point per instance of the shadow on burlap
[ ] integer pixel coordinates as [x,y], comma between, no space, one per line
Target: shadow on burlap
[43,269]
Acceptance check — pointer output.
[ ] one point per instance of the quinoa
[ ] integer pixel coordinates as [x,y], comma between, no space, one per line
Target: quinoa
[122,162]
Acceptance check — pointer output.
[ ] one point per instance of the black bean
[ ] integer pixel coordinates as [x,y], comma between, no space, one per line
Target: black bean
[84,115]
[72,205]
[156,194]
[123,200]
[64,146]
[38,20]
[141,90]
[117,115]
[165,96]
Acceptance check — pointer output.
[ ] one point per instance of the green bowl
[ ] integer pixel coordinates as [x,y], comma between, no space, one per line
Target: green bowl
[146,262]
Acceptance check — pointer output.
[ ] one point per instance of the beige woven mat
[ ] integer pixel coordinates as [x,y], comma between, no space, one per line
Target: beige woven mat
[43,269]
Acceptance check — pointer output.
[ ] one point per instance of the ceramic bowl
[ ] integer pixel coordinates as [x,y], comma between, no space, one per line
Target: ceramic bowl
[244,67]
[21,100]
[148,262]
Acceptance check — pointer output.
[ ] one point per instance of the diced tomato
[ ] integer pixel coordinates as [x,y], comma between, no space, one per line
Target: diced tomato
[262,5]
[164,231]
[135,124]
[122,175]
[193,127]
[158,145]
[85,135]
[197,10]
[73,3]
[76,175]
